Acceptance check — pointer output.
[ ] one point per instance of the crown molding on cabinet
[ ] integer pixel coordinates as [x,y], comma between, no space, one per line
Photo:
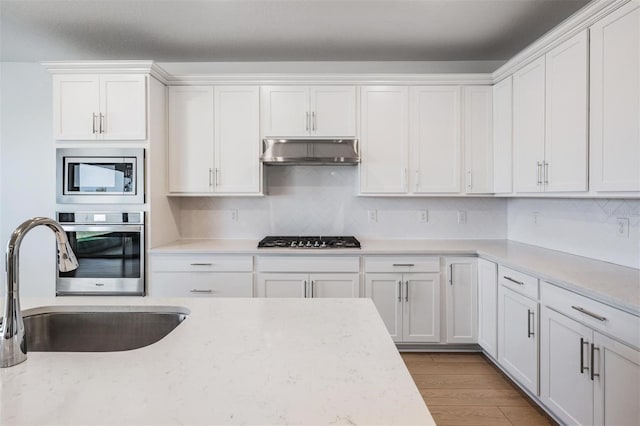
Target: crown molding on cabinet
[577,22]
[108,67]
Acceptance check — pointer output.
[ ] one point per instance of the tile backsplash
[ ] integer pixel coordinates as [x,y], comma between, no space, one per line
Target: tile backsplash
[312,200]
[586,227]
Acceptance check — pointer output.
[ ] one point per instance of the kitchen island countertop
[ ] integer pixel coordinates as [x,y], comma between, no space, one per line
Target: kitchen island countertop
[615,285]
[232,361]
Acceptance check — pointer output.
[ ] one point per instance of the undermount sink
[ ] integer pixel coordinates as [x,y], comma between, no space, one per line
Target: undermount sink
[98,328]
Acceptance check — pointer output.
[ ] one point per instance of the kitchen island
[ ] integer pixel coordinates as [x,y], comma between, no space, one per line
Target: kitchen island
[232,361]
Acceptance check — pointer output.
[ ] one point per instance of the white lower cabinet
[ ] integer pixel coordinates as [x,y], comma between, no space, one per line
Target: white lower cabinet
[308,276]
[200,275]
[587,377]
[488,307]
[308,285]
[518,328]
[461,294]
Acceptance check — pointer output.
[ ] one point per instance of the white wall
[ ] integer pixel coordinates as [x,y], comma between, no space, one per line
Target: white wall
[582,227]
[312,200]
[27,170]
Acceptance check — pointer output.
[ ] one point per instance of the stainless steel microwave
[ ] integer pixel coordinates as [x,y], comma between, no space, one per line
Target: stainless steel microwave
[100,175]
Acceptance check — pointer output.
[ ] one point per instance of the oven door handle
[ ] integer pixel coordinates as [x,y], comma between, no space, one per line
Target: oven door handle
[102,228]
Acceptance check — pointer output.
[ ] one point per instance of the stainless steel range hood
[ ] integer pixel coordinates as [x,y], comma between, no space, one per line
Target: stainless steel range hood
[310,151]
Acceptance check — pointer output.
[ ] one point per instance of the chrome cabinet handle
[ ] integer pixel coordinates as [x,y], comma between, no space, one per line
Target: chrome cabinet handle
[591,314]
[101,123]
[512,280]
[93,123]
[417,179]
[306,125]
[546,173]
[539,174]
[593,357]
[314,124]
[210,177]
[312,294]
[403,264]
[451,273]
[216,176]
[399,291]
[202,264]
[195,290]
[305,288]
[406,293]
[469,180]
[530,313]
[582,366]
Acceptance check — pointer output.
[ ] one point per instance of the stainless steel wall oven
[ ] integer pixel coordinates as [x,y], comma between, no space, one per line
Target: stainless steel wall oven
[109,247]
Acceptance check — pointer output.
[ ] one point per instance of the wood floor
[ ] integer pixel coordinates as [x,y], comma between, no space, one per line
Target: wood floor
[466,389]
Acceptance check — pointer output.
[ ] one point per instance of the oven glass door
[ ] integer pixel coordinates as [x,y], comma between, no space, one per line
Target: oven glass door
[99,175]
[105,251]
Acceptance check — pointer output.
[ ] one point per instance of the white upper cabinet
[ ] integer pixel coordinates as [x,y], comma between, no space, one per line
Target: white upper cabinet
[503,136]
[615,101]
[190,139]
[550,120]
[384,139]
[103,107]
[237,139]
[214,139]
[478,139]
[435,139]
[303,111]
[528,126]
[565,152]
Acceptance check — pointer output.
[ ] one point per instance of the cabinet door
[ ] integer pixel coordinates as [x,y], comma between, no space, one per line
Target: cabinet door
[76,107]
[123,105]
[503,136]
[282,285]
[333,111]
[421,310]
[237,139]
[201,284]
[435,139]
[615,101]
[462,300]
[528,127]
[191,139]
[478,139]
[386,292]
[335,285]
[518,337]
[565,386]
[488,307]
[566,115]
[383,131]
[285,111]
[617,386]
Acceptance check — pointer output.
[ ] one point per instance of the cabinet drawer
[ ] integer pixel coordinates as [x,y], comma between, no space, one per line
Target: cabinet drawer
[200,263]
[402,264]
[201,284]
[519,282]
[614,322]
[308,264]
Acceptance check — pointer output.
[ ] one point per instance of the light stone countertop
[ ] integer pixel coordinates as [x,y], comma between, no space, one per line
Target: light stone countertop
[615,285]
[232,361]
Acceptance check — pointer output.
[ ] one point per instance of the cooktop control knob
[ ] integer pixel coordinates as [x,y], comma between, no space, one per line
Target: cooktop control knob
[324,244]
[316,244]
[309,244]
[293,243]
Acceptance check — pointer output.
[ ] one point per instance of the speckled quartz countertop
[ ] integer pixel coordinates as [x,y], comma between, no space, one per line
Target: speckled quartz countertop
[615,285]
[232,361]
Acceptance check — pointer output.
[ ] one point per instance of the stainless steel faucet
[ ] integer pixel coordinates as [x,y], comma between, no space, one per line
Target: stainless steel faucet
[13,348]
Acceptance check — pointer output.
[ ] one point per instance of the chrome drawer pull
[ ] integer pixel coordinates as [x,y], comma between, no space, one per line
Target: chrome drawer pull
[399,291]
[593,356]
[403,264]
[529,314]
[591,314]
[202,264]
[512,280]
[195,290]
[582,366]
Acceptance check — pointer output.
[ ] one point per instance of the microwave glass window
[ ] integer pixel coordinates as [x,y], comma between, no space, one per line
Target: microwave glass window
[87,177]
[105,254]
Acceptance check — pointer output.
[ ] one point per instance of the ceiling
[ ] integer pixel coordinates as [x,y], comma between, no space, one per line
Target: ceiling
[275,30]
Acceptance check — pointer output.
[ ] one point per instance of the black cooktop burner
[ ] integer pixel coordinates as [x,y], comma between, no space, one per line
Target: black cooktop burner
[309,242]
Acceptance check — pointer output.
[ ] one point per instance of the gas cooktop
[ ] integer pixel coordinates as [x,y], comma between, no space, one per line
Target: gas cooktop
[309,242]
